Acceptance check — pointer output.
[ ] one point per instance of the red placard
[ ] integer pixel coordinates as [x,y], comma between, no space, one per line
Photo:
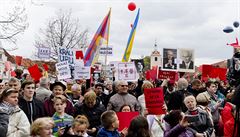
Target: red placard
[34,72]
[79,54]
[18,60]
[45,66]
[125,119]
[163,74]
[208,71]
[154,100]
[151,74]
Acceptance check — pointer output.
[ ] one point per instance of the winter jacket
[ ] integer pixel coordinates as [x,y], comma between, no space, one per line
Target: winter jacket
[105,133]
[49,109]
[4,120]
[18,124]
[93,114]
[117,100]
[177,131]
[229,128]
[36,105]
[204,125]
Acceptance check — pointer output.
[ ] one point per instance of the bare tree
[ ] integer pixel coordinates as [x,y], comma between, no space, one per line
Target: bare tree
[62,31]
[13,21]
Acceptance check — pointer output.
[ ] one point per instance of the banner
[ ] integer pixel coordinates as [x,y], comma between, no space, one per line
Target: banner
[106,50]
[163,74]
[44,53]
[127,71]
[154,100]
[125,119]
[63,70]
[65,54]
[81,72]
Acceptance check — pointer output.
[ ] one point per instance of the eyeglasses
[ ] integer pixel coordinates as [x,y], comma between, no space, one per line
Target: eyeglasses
[124,85]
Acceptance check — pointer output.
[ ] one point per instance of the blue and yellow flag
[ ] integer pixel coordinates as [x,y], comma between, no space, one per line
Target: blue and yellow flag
[128,49]
[100,36]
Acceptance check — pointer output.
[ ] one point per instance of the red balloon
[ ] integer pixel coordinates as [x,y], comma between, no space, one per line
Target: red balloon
[131,6]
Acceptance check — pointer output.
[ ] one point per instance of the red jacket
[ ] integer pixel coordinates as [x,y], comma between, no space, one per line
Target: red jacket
[226,112]
[229,127]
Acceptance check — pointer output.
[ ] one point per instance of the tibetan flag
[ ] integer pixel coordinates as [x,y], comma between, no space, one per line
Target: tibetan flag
[100,36]
[128,49]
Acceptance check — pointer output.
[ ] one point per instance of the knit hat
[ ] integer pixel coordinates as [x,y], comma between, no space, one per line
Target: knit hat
[203,97]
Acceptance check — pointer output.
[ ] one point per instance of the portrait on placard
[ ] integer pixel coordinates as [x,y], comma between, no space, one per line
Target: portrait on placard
[139,63]
[186,63]
[169,59]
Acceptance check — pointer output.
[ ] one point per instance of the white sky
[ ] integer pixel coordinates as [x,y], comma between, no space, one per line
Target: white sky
[195,24]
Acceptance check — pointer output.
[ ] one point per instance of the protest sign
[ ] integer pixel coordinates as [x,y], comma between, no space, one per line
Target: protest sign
[81,72]
[44,52]
[127,71]
[125,119]
[154,100]
[63,70]
[106,50]
[79,54]
[209,71]
[35,72]
[151,74]
[163,74]
[65,54]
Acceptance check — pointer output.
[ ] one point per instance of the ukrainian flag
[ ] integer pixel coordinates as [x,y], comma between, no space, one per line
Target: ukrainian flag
[128,49]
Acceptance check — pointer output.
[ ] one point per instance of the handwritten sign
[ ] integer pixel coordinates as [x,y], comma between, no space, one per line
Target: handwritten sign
[44,52]
[63,69]
[154,100]
[65,54]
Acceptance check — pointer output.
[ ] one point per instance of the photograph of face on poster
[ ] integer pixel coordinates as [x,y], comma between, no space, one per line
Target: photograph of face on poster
[139,63]
[169,59]
[186,63]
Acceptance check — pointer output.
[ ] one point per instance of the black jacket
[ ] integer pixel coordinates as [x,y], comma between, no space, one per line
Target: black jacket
[4,120]
[38,110]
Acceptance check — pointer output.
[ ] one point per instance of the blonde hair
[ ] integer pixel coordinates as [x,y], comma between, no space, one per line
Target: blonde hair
[80,120]
[147,84]
[90,96]
[39,124]
[61,97]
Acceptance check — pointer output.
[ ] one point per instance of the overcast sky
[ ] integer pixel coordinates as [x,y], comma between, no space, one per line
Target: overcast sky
[195,24]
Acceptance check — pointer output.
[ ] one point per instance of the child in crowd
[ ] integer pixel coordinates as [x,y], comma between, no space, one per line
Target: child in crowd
[125,108]
[61,119]
[42,127]
[110,124]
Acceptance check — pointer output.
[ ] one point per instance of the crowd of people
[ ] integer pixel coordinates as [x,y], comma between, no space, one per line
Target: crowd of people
[73,108]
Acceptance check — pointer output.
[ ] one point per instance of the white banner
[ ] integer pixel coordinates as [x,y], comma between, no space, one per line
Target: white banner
[44,53]
[63,70]
[81,72]
[65,54]
[106,50]
[127,71]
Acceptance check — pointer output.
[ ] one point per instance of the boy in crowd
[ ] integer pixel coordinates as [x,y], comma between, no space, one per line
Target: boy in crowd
[110,124]
[61,119]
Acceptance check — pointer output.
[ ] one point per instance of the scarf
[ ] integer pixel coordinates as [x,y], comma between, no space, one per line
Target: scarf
[8,108]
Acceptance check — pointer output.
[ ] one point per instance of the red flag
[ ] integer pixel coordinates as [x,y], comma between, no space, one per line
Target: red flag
[45,66]
[34,72]
[18,60]
[13,74]
[79,54]
[235,45]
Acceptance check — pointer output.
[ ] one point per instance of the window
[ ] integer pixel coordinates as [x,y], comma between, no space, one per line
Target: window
[156,59]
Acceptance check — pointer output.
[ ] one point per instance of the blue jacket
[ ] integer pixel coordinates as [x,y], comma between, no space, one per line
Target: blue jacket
[105,133]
